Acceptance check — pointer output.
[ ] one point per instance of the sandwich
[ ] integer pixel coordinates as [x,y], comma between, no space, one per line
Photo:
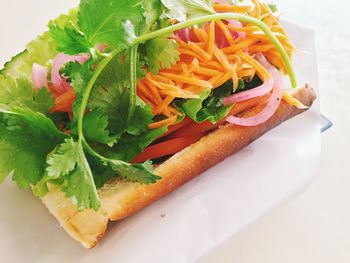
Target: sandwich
[121,102]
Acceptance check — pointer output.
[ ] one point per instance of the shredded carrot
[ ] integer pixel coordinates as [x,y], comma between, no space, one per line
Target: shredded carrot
[226,32]
[223,79]
[175,111]
[147,101]
[234,78]
[201,52]
[222,58]
[200,34]
[182,95]
[260,48]
[211,38]
[249,29]
[238,47]
[293,101]
[160,78]
[203,64]
[257,9]
[141,87]
[264,74]
[162,106]
[153,89]
[162,123]
[191,54]
[213,65]
[222,8]
[215,79]
[205,71]
[183,79]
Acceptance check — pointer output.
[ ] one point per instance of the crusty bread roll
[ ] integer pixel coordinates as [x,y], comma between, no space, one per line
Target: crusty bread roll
[121,199]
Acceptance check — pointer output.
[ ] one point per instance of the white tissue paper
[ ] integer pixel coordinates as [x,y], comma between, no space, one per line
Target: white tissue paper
[194,219]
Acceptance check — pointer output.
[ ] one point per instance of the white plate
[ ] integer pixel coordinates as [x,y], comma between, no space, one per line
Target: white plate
[198,217]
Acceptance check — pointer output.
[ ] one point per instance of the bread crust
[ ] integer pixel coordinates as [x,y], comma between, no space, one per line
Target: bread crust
[120,199]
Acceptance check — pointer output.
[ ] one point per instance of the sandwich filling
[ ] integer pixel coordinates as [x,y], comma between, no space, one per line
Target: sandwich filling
[115,85]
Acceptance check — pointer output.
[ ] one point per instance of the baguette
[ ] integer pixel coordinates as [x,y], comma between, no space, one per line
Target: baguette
[120,199]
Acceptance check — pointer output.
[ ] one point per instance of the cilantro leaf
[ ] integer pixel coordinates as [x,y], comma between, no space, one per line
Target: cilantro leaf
[69,40]
[129,146]
[36,120]
[21,93]
[95,125]
[102,172]
[63,161]
[140,173]
[161,52]
[95,128]
[183,10]
[108,21]
[114,93]
[142,117]
[69,162]
[23,153]
[152,11]
[79,77]
[81,187]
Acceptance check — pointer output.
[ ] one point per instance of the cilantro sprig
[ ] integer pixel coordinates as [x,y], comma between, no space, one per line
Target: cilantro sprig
[125,27]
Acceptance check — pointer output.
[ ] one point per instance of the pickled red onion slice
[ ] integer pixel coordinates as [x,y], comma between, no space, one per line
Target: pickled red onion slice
[237,24]
[186,35]
[39,76]
[60,84]
[265,88]
[273,102]
[101,47]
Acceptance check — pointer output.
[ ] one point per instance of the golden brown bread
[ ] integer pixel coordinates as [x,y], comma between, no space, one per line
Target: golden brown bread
[121,199]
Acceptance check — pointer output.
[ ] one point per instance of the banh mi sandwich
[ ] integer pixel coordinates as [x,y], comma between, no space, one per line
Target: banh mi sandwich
[122,101]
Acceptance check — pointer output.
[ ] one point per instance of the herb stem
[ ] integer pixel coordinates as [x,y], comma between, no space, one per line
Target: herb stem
[133,81]
[223,16]
[100,67]
[93,152]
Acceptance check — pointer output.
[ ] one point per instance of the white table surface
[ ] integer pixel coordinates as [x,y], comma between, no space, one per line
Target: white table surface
[316,226]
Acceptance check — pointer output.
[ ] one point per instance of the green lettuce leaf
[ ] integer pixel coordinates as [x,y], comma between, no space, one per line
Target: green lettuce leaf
[273,7]
[209,106]
[40,51]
